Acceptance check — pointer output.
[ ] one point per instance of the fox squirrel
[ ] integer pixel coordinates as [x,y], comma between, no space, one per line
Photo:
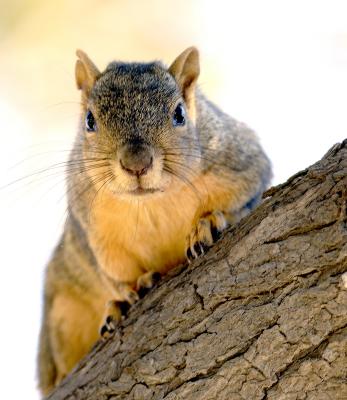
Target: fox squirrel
[156,173]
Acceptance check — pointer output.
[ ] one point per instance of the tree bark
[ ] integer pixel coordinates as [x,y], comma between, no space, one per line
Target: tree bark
[263,315]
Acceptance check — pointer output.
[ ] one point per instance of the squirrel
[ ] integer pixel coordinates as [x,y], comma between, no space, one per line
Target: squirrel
[157,172]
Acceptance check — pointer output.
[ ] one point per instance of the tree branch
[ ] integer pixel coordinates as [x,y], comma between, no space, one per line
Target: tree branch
[262,316]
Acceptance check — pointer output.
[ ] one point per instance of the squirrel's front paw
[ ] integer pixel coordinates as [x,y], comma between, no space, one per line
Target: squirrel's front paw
[116,310]
[112,315]
[206,232]
[146,281]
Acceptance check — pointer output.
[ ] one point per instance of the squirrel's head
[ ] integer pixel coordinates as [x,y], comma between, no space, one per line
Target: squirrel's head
[138,123]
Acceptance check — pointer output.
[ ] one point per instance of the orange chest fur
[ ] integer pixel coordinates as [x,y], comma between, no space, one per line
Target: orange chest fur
[131,237]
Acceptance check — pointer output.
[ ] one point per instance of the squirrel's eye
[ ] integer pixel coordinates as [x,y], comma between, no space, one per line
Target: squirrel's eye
[179,116]
[90,122]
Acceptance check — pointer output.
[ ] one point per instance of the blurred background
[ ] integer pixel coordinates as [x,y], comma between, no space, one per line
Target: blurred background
[279,66]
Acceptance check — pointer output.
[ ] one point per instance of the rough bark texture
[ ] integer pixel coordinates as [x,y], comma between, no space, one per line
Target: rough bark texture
[262,316]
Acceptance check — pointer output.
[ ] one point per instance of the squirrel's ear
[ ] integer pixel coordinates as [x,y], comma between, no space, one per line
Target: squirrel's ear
[86,72]
[185,69]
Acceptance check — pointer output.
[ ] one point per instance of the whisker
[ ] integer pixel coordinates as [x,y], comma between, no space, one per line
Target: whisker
[62,164]
[55,151]
[189,170]
[71,173]
[184,180]
[61,103]
[76,195]
[137,219]
[108,177]
[200,157]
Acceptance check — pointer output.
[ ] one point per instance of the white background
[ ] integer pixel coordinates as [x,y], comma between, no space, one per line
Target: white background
[279,66]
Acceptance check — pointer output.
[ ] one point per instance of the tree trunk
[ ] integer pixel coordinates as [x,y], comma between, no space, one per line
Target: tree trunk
[262,316]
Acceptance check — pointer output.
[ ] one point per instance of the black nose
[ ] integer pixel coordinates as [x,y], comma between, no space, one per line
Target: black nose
[136,159]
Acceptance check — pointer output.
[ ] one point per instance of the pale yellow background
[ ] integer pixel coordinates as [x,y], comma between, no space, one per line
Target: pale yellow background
[280,66]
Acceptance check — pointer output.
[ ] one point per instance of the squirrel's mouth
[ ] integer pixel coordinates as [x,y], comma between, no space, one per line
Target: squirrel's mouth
[140,191]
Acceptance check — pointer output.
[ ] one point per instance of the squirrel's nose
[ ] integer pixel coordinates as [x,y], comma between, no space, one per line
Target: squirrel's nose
[136,160]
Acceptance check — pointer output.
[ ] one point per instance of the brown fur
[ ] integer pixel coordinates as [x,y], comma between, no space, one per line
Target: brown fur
[204,174]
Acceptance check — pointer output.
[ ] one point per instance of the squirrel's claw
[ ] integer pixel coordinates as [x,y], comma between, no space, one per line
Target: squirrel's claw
[111,318]
[207,231]
[114,313]
[117,310]
[146,282]
[108,327]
